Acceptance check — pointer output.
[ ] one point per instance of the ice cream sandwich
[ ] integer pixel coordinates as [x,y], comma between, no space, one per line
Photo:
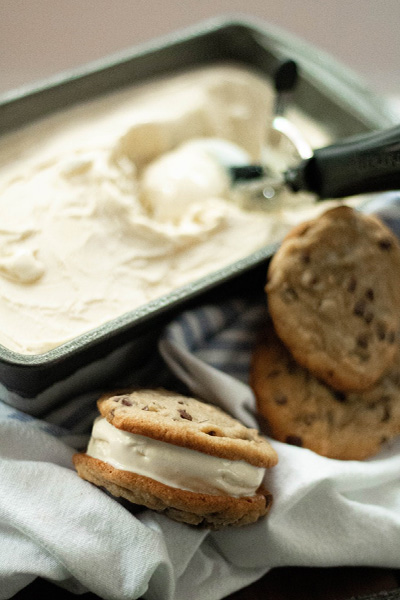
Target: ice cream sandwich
[179,456]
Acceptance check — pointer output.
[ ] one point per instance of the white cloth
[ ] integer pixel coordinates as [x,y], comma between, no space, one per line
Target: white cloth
[55,525]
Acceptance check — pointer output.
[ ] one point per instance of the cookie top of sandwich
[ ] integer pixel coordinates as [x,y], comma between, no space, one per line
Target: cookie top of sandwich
[184,421]
[334,297]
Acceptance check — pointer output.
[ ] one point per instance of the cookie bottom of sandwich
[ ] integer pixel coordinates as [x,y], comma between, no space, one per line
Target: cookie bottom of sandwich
[206,510]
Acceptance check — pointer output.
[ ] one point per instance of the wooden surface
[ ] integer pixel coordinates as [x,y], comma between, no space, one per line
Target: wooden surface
[280,584]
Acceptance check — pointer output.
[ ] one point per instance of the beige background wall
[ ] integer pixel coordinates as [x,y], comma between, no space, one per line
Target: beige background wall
[42,37]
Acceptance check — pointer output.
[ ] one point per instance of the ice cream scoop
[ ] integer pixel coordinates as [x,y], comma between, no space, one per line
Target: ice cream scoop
[283,132]
[357,165]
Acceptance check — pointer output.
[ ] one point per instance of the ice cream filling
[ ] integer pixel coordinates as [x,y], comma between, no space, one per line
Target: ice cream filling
[172,465]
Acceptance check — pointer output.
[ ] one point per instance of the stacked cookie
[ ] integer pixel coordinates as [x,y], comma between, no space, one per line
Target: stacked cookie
[327,374]
[179,456]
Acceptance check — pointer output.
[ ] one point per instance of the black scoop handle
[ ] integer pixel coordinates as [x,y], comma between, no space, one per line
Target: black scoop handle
[286,76]
[357,165]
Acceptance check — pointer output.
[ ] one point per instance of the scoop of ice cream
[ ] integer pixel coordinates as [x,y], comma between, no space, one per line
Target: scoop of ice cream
[194,172]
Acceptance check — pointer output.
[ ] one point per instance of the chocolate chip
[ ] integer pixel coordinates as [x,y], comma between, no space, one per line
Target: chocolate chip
[291,366]
[340,396]
[185,415]
[211,432]
[294,440]
[280,399]
[386,414]
[368,317]
[351,286]
[362,340]
[359,308]
[369,294]
[385,243]
[123,399]
[381,330]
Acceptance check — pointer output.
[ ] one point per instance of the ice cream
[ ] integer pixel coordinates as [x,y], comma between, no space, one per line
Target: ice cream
[116,202]
[172,465]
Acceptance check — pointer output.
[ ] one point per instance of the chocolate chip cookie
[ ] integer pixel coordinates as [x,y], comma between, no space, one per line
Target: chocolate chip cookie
[177,455]
[297,408]
[334,297]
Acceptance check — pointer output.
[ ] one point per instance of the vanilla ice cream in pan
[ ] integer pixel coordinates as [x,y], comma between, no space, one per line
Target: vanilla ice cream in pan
[114,212]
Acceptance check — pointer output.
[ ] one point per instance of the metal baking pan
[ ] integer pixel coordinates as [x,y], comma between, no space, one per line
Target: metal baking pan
[327,91]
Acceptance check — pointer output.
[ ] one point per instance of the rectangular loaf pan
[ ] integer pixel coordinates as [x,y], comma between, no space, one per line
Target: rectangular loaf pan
[327,91]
